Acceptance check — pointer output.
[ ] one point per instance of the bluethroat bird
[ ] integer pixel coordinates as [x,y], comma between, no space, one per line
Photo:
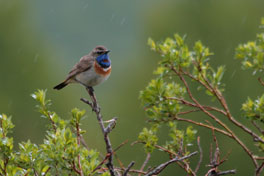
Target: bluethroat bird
[91,70]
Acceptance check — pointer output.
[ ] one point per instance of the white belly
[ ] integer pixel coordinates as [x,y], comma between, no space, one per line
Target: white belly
[90,78]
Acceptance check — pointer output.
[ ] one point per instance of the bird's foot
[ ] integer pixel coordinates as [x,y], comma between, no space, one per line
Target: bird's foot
[90,89]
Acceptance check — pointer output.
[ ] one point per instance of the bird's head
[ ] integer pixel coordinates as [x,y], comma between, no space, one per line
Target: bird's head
[101,55]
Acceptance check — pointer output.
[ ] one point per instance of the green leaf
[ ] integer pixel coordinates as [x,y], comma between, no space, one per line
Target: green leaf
[254,110]
[152,44]
[149,138]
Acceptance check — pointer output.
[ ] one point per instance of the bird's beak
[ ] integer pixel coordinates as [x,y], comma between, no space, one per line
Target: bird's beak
[107,51]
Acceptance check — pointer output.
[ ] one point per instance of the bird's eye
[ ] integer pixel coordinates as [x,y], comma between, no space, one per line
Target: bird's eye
[99,52]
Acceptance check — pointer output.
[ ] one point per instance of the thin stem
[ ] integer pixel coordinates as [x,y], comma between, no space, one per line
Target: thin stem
[117,148]
[185,102]
[171,153]
[259,169]
[222,101]
[74,168]
[162,166]
[214,173]
[261,81]
[121,169]
[258,127]
[145,163]
[201,155]
[196,79]
[128,168]
[227,172]
[215,118]
[197,123]
[51,120]
[259,158]
[95,107]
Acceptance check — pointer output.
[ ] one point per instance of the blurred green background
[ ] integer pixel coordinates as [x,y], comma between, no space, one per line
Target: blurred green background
[40,41]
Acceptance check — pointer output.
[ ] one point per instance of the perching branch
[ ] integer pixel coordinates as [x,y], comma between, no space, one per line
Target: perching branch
[95,107]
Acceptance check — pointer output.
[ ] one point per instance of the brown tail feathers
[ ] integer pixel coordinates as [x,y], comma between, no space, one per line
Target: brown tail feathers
[60,86]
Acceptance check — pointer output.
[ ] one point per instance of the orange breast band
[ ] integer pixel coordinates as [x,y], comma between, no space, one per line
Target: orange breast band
[99,70]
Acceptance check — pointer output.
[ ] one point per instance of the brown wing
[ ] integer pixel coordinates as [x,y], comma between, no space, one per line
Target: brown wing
[85,63]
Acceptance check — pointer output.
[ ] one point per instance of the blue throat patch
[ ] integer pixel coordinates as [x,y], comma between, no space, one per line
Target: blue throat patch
[103,60]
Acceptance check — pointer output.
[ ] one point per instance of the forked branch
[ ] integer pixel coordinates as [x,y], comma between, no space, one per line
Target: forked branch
[106,130]
[162,166]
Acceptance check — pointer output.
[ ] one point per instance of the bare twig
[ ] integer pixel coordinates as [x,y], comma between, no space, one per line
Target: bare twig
[158,147]
[211,152]
[258,127]
[201,155]
[121,145]
[222,101]
[87,102]
[215,160]
[193,122]
[225,157]
[101,163]
[261,81]
[259,169]
[227,172]
[119,161]
[117,148]
[196,79]
[171,153]
[205,125]
[249,152]
[259,157]
[95,107]
[212,172]
[108,155]
[208,108]
[75,169]
[83,142]
[188,112]
[145,163]
[128,168]
[162,166]
[121,169]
